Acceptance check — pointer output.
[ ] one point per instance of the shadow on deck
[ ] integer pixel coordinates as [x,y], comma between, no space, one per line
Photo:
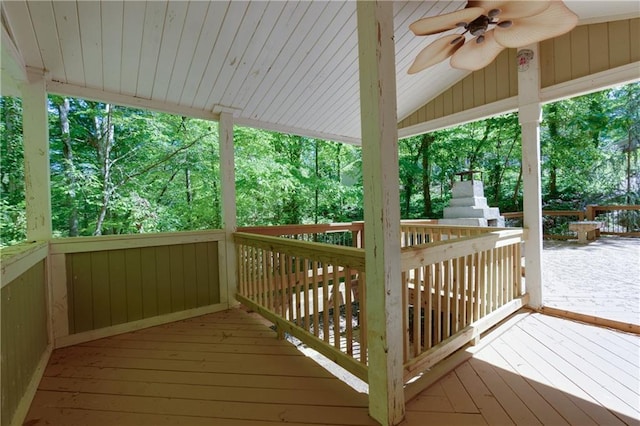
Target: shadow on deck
[229,368]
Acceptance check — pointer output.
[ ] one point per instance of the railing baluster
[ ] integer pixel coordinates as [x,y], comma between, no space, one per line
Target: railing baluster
[336,306]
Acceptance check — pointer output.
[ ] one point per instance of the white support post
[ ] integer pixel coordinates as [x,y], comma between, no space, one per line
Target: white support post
[228,184]
[530,115]
[35,131]
[381,210]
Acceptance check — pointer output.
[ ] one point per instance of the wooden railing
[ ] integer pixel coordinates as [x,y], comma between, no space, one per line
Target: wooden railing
[616,220]
[415,233]
[313,291]
[453,290]
[341,234]
[457,282]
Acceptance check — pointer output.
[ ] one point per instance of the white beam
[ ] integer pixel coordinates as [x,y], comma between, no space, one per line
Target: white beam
[35,129]
[228,187]
[381,209]
[529,114]
[89,93]
[13,70]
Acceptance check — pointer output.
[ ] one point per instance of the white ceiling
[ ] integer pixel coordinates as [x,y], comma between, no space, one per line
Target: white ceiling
[289,66]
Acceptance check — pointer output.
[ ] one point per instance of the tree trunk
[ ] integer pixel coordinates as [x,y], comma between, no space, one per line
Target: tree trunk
[427,140]
[104,142]
[69,167]
[516,190]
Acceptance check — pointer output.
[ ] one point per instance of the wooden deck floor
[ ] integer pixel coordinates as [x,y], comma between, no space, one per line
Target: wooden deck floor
[219,369]
[229,369]
[540,370]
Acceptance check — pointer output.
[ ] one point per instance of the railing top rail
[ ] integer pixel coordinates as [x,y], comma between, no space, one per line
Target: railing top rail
[15,260]
[623,207]
[460,227]
[430,253]
[325,252]
[302,229]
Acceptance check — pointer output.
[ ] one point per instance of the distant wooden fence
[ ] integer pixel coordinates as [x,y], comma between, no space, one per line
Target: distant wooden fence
[616,220]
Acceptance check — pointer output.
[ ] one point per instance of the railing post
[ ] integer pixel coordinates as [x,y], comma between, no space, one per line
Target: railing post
[228,185]
[591,212]
[36,157]
[381,209]
[529,114]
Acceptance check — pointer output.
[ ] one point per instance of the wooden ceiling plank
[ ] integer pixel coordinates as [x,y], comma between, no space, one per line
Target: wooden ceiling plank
[196,17]
[112,13]
[252,28]
[335,74]
[174,24]
[303,80]
[66,16]
[255,47]
[23,32]
[47,36]
[260,70]
[91,40]
[204,48]
[314,84]
[237,28]
[132,42]
[154,19]
[296,37]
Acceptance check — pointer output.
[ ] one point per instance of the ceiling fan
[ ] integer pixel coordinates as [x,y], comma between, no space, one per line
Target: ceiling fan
[491,27]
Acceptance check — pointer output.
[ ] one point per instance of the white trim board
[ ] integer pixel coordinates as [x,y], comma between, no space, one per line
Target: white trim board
[16,260]
[115,242]
[60,88]
[478,113]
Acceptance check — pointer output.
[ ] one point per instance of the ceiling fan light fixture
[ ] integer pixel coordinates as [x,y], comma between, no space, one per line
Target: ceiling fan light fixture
[495,24]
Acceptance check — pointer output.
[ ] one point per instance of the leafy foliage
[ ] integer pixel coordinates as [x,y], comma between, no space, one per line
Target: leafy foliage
[122,170]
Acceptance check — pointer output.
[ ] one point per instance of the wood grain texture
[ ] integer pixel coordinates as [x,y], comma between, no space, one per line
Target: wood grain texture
[542,370]
[238,380]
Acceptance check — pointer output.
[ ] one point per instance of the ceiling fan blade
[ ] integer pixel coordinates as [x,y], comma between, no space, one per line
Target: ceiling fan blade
[436,52]
[554,21]
[512,9]
[448,21]
[474,56]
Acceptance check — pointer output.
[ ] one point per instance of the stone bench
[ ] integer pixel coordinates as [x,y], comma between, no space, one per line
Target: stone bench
[587,230]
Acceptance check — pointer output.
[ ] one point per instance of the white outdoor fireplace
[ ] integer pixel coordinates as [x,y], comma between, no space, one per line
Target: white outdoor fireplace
[469,206]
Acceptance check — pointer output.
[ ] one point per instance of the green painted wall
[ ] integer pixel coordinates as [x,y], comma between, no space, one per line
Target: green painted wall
[24,335]
[111,287]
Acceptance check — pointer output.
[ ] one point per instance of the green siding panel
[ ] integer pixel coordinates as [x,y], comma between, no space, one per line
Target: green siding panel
[176,265]
[101,289]
[118,287]
[190,277]
[149,279]
[82,292]
[202,273]
[112,287]
[164,280]
[134,284]
[214,274]
[24,335]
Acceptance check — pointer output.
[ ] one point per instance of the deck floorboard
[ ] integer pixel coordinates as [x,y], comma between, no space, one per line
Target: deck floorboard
[226,368]
[537,370]
[542,370]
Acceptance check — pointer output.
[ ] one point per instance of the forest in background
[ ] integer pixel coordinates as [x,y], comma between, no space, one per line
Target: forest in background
[119,170]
